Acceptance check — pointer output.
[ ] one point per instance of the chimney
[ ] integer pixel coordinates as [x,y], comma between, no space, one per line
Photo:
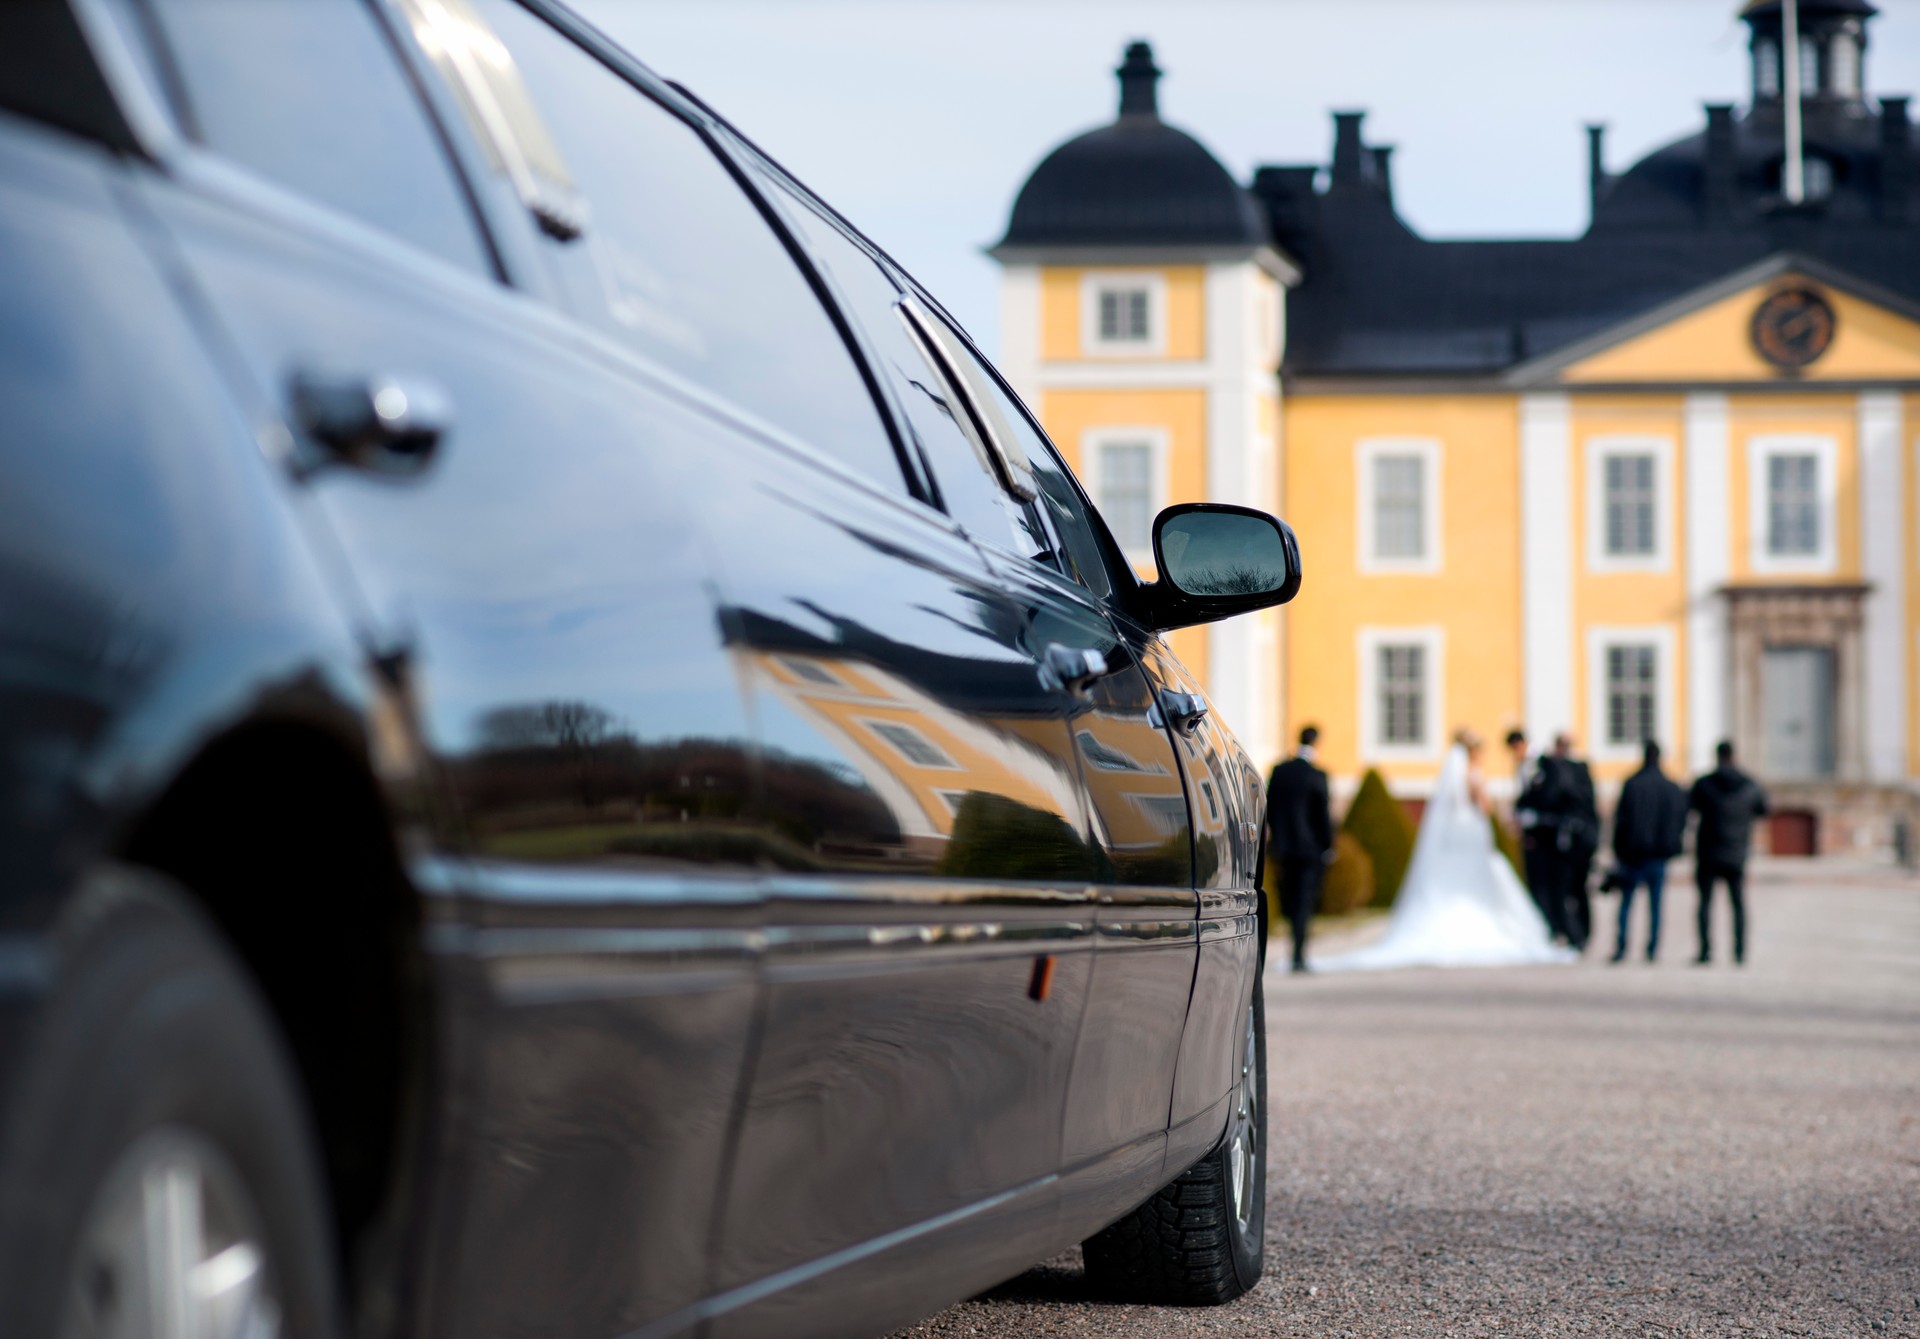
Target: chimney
[1717,202]
[1349,165]
[1138,75]
[1383,170]
[1596,168]
[1896,161]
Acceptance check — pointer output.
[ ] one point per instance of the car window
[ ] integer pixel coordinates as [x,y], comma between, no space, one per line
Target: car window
[677,260]
[969,492]
[1034,461]
[312,94]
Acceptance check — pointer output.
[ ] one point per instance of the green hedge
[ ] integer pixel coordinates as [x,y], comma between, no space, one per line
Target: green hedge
[1385,832]
[1349,884]
[1508,841]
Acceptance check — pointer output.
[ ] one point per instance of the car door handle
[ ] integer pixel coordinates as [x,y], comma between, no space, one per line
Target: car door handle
[388,424]
[1182,711]
[1073,668]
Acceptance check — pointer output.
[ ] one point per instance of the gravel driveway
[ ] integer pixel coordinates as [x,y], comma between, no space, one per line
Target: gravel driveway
[1591,1150]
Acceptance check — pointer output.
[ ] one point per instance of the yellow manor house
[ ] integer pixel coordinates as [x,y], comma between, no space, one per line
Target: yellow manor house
[1661,481]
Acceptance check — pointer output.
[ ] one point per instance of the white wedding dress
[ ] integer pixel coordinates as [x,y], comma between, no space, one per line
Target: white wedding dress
[1460,905]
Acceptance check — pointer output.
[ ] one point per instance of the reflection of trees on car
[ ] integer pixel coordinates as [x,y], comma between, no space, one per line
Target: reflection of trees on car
[998,838]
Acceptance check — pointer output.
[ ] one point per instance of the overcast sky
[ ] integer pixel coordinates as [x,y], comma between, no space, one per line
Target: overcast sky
[919,119]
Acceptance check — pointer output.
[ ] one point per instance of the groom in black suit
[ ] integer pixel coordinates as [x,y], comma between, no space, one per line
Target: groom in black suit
[1299,837]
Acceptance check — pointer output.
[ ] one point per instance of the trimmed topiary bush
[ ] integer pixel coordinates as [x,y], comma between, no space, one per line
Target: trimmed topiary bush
[1385,832]
[1508,841]
[1349,881]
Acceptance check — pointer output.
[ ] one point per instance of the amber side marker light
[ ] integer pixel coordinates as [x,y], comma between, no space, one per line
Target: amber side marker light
[1040,985]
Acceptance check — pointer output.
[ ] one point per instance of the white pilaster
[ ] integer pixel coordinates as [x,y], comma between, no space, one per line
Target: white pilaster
[1546,563]
[1230,424]
[1019,360]
[1709,558]
[1884,644]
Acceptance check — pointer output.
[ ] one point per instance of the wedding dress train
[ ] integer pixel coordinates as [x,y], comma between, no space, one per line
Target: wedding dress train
[1460,905]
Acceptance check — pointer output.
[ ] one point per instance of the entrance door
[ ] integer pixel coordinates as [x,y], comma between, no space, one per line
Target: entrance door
[1797,704]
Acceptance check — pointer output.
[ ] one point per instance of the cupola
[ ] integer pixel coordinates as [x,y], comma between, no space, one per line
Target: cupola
[1135,182]
[1833,45]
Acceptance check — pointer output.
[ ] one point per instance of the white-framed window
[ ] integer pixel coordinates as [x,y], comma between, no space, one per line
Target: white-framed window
[1125,469]
[910,744]
[810,670]
[1629,504]
[1398,488]
[1792,492]
[1630,691]
[1402,692]
[1124,313]
[1843,65]
[1766,69]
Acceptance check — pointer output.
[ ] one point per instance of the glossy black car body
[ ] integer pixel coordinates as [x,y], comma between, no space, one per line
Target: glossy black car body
[691,776]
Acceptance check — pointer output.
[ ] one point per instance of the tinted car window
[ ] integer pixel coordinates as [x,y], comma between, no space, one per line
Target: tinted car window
[968,489]
[678,261]
[311,93]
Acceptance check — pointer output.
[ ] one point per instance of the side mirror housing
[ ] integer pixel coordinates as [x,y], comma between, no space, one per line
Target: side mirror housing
[1217,560]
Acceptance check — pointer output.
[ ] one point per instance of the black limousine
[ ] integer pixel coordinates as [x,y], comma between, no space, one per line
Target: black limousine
[572,761]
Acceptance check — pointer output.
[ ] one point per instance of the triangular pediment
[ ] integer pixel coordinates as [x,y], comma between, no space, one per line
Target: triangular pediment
[1786,321]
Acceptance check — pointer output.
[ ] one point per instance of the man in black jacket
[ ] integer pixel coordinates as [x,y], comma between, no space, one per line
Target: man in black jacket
[1727,800]
[1299,838]
[1649,825]
[1546,795]
[1580,840]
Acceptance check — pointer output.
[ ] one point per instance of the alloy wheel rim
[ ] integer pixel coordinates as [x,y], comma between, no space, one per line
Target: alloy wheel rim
[1243,1154]
[172,1249]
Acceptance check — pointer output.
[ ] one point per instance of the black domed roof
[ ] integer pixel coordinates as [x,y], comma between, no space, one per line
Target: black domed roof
[1137,182]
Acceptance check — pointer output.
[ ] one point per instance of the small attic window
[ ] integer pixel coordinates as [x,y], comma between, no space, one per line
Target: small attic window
[1124,313]
[1843,65]
[1818,183]
[1766,70]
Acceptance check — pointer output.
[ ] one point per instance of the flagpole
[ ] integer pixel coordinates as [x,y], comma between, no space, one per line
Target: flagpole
[1793,183]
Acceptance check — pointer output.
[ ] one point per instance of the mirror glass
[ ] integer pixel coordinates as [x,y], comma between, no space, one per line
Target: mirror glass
[1222,553]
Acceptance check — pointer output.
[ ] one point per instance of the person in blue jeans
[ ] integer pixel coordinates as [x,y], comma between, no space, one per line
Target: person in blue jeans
[1649,827]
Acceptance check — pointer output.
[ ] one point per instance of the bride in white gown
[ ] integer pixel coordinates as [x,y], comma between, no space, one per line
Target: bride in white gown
[1460,905]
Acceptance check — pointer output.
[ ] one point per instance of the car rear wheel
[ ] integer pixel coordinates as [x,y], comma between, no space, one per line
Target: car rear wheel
[1200,1241]
[158,1177]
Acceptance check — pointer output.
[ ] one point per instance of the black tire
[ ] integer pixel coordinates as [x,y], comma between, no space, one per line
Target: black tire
[155,1062]
[1187,1246]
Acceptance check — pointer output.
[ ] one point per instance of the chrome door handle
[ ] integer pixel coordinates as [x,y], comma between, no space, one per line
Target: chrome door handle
[1073,668]
[1182,711]
[389,424]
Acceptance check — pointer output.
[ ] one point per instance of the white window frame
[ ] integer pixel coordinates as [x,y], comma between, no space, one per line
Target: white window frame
[878,726]
[1155,439]
[1433,640]
[1095,282]
[1430,454]
[1826,559]
[1666,690]
[1599,449]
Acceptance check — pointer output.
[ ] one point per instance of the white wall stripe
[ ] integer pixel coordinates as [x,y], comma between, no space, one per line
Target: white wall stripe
[1882,547]
[1709,563]
[1019,360]
[1546,563]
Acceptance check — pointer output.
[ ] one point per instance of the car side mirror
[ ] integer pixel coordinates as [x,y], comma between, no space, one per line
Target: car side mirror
[1218,560]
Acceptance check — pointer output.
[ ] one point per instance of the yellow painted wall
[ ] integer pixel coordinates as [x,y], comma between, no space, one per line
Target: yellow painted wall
[1630,598]
[1715,344]
[1067,416]
[1475,596]
[1758,415]
[1063,340]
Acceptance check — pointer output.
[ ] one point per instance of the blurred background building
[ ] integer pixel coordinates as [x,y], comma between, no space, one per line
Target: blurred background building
[1657,481]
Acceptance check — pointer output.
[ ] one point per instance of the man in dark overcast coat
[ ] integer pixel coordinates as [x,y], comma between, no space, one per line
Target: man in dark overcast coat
[1299,838]
[1727,800]
[1649,826]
